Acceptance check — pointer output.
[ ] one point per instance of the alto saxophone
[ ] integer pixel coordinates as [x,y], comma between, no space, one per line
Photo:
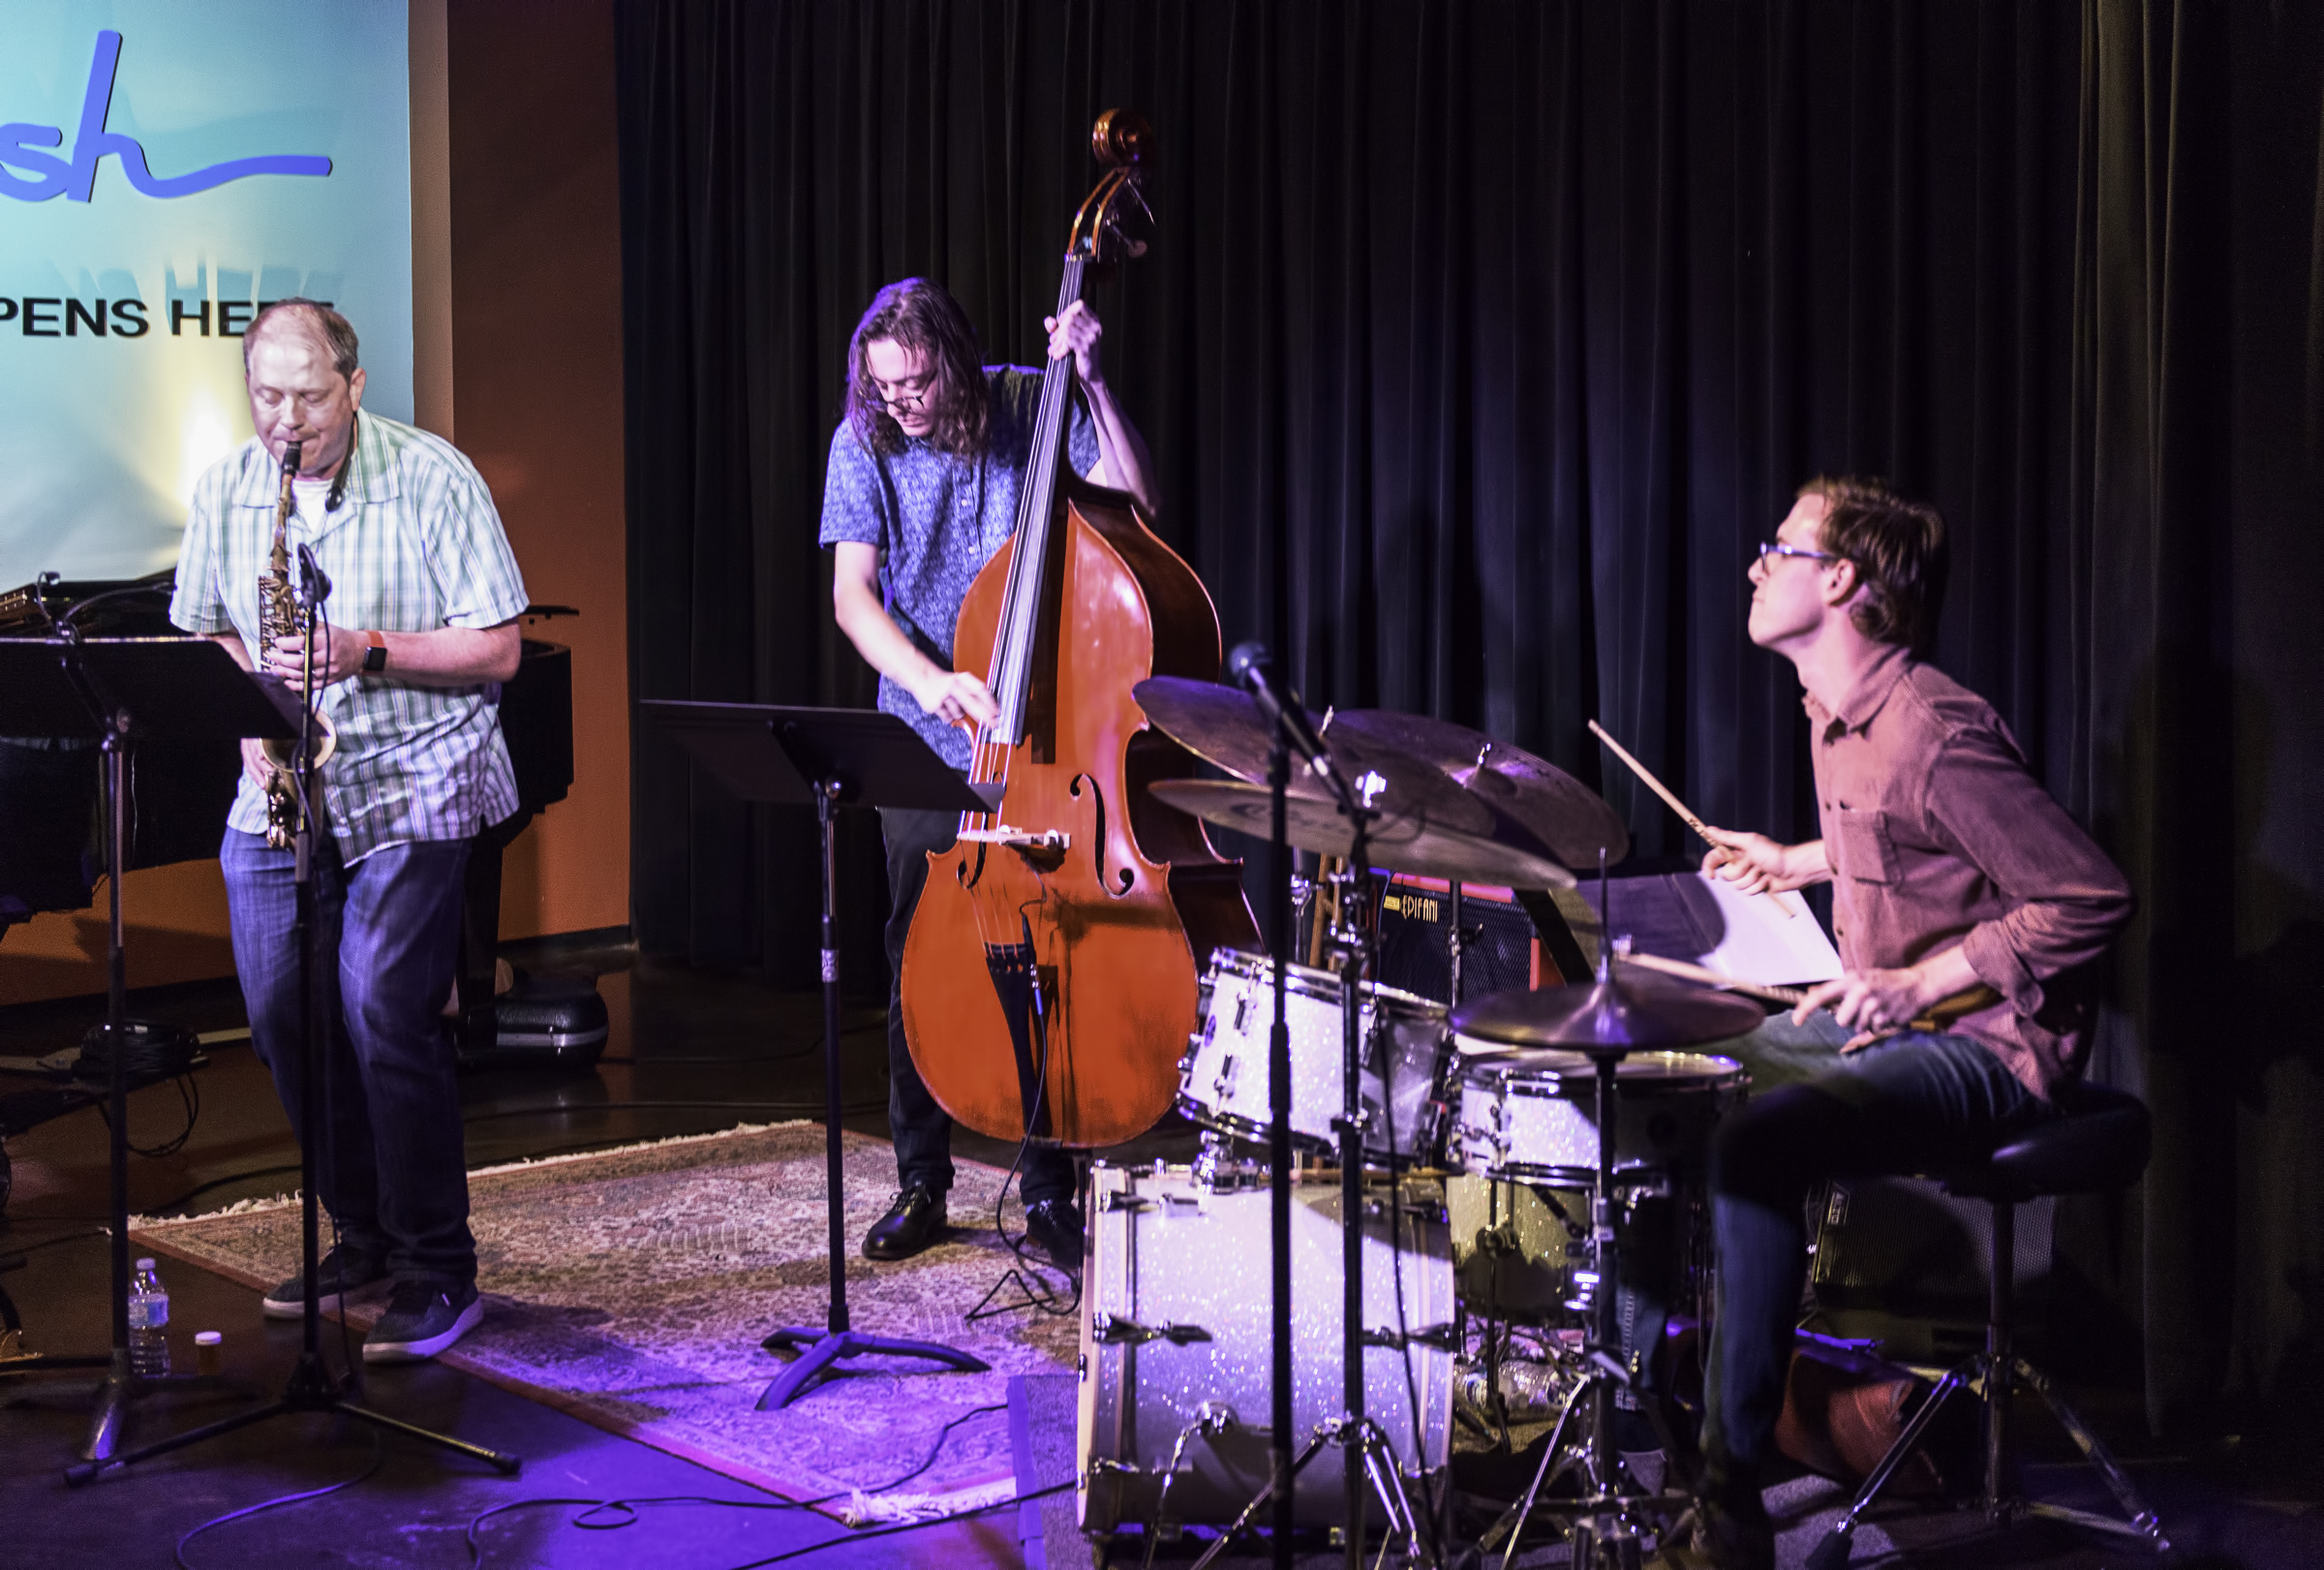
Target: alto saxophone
[281,616]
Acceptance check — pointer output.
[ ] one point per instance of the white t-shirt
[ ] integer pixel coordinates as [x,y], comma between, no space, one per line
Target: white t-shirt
[311,495]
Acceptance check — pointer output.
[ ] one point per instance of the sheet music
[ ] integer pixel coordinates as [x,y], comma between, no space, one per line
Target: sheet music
[1759,942]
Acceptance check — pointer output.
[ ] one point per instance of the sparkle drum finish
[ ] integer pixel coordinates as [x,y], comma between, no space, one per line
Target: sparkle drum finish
[1539,1122]
[1175,1390]
[1223,1080]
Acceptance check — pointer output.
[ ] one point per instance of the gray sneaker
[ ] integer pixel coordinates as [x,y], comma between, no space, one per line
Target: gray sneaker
[343,1274]
[422,1319]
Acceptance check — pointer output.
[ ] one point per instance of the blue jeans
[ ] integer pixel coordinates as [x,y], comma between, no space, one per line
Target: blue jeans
[921,1128]
[1912,1104]
[391,1167]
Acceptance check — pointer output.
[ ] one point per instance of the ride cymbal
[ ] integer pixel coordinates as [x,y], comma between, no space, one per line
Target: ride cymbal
[1404,842]
[1571,821]
[1225,727]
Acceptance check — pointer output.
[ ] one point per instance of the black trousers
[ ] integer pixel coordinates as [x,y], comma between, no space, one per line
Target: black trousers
[921,1128]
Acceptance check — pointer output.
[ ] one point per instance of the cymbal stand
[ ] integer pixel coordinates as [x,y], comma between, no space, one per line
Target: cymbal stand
[1373,1458]
[1278,1149]
[1603,1534]
[1351,934]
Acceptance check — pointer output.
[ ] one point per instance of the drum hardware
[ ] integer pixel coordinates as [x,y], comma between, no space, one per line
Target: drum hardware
[1111,1330]
[1211,1419]
[1218,1169]
[1367,1448]
[1606,1021]
[1158,1260]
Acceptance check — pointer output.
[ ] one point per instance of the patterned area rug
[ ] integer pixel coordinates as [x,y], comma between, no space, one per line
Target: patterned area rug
[631,1288]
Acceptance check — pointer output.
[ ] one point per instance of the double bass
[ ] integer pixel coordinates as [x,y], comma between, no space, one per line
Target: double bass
[1051,973]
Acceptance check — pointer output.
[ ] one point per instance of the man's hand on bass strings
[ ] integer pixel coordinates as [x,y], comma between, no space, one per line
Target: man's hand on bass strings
[955,695]
[1077,334]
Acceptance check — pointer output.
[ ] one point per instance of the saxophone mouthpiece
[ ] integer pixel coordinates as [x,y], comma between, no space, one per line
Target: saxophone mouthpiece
[290,460]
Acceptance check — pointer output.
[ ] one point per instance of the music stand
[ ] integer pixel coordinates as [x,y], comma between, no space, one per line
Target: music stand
[833,758]
[119,691]
[189,687]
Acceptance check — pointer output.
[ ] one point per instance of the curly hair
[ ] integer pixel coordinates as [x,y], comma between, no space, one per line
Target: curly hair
[1900,553]
[918,314]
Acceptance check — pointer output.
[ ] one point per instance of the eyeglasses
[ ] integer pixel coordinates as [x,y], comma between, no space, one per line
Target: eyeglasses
[1776,547]
[908,395]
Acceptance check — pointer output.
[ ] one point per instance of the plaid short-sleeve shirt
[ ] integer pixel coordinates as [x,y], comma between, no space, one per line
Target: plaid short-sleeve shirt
[937,518]
[414,545]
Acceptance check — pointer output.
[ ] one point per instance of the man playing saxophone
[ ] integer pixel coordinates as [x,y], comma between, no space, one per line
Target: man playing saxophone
[420,618]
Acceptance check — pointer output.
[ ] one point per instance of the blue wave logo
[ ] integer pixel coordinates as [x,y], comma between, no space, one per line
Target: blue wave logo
[51,176]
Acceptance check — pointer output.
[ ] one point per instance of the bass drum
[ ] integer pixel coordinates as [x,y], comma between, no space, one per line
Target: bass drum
[1222,1080]
[1177,1344]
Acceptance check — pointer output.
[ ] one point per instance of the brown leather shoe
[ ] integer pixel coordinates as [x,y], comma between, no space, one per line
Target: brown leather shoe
[914,1221]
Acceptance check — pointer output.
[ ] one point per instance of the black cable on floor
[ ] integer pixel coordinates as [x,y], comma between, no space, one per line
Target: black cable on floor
[908,1527]
[630,1507]
[189,1095]
[378,1458]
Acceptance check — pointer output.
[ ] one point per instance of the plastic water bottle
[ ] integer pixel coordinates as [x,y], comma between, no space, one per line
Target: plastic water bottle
[148,1323]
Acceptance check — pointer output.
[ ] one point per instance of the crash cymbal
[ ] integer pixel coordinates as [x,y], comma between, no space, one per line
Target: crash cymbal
[1570,819]
[1218,724]
[1635,1009]
[1404,842]
[1225,727]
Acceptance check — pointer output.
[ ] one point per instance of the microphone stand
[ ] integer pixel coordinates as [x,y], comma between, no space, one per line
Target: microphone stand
[311,1387]
[1278,1144]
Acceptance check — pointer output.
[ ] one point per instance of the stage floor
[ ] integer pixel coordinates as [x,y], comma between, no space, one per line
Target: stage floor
[686,1047]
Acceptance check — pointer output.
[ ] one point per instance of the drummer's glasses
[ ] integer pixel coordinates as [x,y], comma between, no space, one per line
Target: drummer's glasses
[1776,547]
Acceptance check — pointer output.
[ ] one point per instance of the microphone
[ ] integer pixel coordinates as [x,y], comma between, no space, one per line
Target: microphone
[312,578]
[1251,668]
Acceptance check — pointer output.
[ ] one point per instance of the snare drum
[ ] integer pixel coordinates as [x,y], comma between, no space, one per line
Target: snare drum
[1542,1123]
[1223,1081]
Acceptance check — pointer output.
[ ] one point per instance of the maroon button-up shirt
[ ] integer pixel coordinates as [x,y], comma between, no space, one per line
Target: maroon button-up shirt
[1939,836]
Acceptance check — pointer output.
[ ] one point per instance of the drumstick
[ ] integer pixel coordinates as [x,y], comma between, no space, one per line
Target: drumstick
[1936,1019]
[1712,979]
[1685,813]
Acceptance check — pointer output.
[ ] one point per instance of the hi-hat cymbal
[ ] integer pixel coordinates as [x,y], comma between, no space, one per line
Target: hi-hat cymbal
[1406,842]
[1570,820]
[1225,727]
[1634,1010]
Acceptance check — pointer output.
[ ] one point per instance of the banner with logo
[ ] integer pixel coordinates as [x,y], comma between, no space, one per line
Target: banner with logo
[165,170]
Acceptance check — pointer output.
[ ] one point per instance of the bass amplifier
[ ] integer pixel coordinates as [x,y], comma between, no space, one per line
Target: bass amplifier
[1516,941]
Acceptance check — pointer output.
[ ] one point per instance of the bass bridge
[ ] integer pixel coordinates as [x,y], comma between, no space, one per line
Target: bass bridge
[1045,849]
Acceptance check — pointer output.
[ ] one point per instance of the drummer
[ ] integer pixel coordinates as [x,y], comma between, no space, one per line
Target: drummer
[1951,869]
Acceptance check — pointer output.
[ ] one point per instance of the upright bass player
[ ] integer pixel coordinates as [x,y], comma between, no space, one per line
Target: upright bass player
[919,492]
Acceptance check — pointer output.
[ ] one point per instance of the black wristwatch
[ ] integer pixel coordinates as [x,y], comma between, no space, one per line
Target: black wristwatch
[374,657]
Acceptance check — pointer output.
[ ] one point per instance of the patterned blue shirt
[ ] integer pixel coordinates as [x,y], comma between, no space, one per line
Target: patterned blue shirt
[937,518]
[415,545]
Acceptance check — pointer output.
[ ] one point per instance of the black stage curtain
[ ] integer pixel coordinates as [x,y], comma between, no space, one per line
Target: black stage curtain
[1480,344]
